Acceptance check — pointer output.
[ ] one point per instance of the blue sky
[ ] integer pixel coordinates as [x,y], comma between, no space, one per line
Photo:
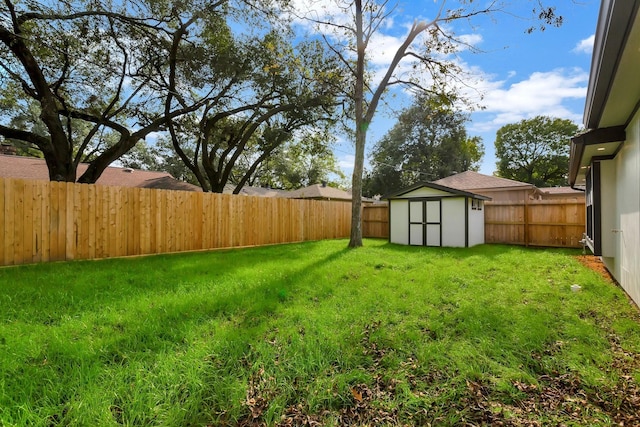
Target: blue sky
[520,75]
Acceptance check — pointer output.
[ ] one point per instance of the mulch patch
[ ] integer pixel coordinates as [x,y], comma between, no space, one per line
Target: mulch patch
[595,264]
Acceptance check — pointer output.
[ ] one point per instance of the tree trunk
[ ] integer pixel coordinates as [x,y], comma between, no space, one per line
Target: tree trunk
[57,151]
[356,187]
[355,240]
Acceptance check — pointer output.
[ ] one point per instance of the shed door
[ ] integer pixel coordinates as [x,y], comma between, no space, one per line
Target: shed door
[425,222]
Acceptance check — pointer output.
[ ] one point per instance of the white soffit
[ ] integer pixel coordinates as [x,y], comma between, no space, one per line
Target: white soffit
[607,149]
[625,90]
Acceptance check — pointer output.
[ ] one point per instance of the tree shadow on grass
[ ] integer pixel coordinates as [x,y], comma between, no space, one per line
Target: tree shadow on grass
[45,293]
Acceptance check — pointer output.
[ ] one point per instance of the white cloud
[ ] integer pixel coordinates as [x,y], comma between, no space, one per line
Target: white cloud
[345,163]
[472,40]
[152,137]
[542,93]
[585,46]
[382,49]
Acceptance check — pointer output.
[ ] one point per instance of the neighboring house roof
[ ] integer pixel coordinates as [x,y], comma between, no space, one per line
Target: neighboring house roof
[320,191]
[612,94]
[434,186]
[35,168]
[471,180]
[561,191]
[256,191]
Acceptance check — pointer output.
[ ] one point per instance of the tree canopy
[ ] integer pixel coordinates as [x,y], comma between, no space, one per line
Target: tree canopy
[87,80]
[428,142]
[299,164]
[535,150]
[281,94]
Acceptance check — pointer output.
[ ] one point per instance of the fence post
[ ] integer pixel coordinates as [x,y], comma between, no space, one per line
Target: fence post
[526,220]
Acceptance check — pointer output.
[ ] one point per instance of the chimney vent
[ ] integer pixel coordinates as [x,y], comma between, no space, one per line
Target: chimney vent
[8,149]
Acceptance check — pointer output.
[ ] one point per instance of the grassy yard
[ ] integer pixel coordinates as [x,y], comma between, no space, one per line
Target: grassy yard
[316,334]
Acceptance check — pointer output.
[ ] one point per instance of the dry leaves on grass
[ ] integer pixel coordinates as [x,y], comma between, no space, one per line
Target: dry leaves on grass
[563,398]
[556,399]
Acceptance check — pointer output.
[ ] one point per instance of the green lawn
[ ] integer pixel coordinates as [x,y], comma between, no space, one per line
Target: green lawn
[314,333]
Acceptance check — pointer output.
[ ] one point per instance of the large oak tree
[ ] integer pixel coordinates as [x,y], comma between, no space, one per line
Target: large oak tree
[87,80]
[279,94]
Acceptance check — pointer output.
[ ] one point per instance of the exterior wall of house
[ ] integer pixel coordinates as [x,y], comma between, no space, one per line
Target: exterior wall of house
[608,215]
[623,264]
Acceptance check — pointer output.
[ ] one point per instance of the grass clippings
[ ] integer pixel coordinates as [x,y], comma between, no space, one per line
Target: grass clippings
[315,334]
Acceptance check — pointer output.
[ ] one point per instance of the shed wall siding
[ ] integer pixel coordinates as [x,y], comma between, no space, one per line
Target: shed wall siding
[476,226]
[399,226]
[624,265]
[446,226]
[453,228]
[426,192]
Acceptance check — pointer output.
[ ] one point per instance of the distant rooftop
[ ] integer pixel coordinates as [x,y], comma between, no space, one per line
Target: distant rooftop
[561,191]
[320,191]
[471,180]
[36,168]
[257,191]
[12,166]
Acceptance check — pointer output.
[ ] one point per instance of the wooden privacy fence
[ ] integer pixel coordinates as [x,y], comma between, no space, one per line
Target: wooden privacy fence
[375,221]
[47,221]
[551,223]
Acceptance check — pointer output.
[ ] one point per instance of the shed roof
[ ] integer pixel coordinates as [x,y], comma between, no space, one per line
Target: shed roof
[36,168]
[398,194]
[471,180]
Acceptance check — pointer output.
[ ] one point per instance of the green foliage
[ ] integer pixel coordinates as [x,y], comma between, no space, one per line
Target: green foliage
[298,165]
[104,75]
[286,95]
[420,335]
[428,142]
[535,150]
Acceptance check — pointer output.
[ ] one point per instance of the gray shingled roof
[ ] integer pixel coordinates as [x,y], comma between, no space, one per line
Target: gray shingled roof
[318,191]
[561,190]
[471,180]
[256,191]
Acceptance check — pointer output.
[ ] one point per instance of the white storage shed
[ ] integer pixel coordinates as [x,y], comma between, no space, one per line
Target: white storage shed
[428,214]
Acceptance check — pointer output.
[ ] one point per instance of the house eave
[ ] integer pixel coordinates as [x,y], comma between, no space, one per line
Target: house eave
[614,28]
[596,144]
